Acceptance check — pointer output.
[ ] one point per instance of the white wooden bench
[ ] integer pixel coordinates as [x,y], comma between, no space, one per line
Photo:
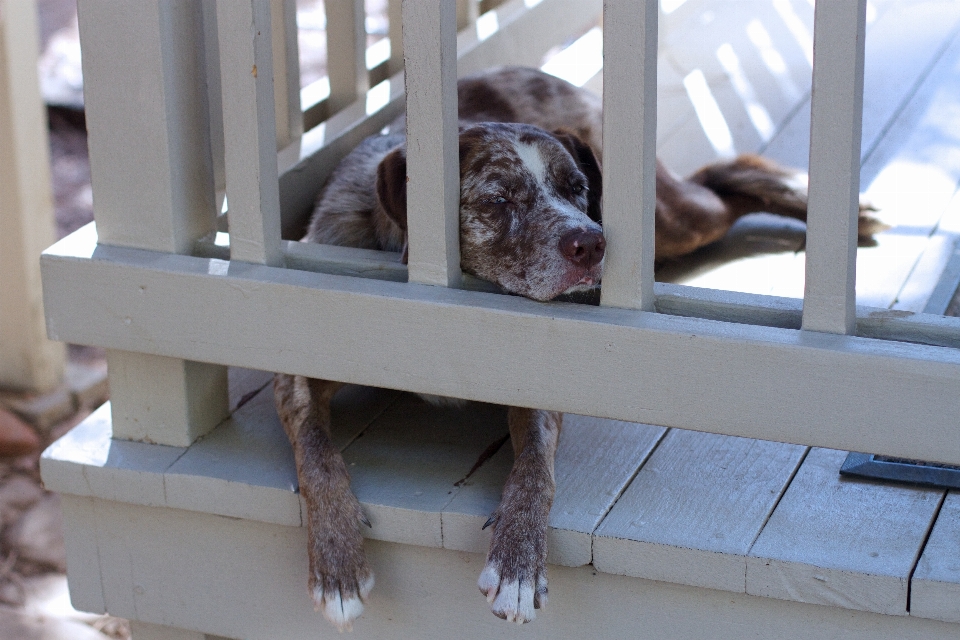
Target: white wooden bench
[657,531]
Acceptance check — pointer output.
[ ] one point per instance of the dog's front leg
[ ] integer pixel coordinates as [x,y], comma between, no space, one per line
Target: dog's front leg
[340,579]
[515,576]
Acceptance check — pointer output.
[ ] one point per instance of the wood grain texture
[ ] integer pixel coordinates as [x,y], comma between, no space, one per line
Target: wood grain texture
[935,586]
[695,508]
[840,542]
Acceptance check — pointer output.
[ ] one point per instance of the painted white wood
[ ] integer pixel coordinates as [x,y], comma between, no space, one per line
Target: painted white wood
[836,113]
[286,71]
[249,125]
[467,12]
[915,196]
[80,543]
[198,571]
[629,152]
[672,299]
[899,409]
[935,585]
[214,94]
[404,468]
[156,194]
[27,359]
[164,400]
[86,462]
[525,32]
[219,475]
[159,193]
[695,508]
[243,384]
[842,542]
[346,52]
[147,631]
[395,33]
[433,166]
[595,461]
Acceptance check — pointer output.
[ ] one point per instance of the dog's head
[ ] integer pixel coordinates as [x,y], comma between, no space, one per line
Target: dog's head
[529,207]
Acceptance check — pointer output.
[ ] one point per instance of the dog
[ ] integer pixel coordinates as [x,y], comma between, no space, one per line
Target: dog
[530,221]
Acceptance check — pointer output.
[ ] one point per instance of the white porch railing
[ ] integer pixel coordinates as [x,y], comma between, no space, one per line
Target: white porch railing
[176,302]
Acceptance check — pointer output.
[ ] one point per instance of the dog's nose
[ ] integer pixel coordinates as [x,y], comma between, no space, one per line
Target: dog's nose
[583,247]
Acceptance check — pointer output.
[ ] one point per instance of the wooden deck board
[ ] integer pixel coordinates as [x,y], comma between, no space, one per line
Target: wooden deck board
[695,508]
[935,587]
[841,542]
[405,467]
[596,460]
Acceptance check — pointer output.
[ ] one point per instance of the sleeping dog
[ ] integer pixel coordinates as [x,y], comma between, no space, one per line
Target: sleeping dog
[530,221]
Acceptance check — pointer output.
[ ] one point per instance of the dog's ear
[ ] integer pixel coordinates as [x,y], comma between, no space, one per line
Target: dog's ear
[392,186]
[587,162]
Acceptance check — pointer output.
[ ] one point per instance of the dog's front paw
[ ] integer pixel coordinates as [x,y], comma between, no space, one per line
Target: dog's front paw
[340,579]
[514,579]
[341,597]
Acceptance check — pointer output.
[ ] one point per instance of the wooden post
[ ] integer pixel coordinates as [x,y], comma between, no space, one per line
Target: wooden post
[250,130]
[836,112]
[151,167]
[286,71]
[346,52]
[27,359]
[433,165]
[629,152]
[395,29]
[467,13]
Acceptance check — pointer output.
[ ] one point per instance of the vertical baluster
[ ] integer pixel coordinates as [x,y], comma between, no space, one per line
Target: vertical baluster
[250,134]
[153,188]
[395,26]
[211,50]
[286,71]
[346,52]
[835,127]
[467,13]
[433,165]
[629,152]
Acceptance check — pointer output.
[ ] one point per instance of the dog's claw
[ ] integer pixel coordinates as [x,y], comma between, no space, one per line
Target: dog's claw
[489,522]
[365,520]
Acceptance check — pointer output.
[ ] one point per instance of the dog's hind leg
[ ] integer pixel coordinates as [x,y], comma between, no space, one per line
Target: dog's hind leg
[340,579]
[514,579]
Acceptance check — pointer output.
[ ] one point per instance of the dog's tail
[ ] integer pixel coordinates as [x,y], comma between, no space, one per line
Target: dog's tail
[752,184]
